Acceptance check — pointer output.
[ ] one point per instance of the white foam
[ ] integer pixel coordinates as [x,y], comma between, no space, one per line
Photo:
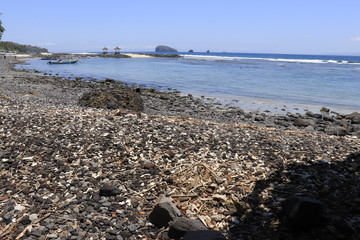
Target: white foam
[225,58]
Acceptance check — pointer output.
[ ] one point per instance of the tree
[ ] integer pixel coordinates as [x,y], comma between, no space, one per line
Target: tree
[2,29]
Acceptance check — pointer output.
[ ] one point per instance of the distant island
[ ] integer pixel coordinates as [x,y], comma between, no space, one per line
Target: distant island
[163,48]
[15,47]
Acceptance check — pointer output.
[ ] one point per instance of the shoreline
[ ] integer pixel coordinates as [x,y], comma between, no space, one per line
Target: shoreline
[229,168]
[267,106]
[250,111]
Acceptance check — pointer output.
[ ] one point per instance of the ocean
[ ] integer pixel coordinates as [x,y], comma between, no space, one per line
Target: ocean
[273,82]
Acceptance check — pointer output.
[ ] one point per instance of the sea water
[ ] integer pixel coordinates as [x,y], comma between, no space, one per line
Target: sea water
[246,80]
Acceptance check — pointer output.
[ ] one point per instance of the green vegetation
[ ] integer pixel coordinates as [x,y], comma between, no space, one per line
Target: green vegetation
[11,46]
[2,29]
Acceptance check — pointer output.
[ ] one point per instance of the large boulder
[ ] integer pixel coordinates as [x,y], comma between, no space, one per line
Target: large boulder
[303,212]
[123,98]
[163,48]
[164,212]
[181,225]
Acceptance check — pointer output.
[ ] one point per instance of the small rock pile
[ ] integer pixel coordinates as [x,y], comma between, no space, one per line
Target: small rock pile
[122,98]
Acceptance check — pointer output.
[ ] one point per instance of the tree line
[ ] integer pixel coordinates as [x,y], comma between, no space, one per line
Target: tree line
[11,46]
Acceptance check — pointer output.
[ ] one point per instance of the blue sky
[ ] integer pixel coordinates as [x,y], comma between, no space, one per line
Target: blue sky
[276,26]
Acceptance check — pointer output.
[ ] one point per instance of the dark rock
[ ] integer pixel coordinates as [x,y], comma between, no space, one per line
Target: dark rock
[180,226]
[325,110]
[191,50]
[302,212]
[204,235]
[299,122]
[313,115]
[164,212]
[123,99]
[163,48]
[108,190]
[25,221]
[327,117]
[344,228]
[336,130]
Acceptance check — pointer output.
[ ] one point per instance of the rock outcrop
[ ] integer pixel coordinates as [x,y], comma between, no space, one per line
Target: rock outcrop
[163,48]
[117,99]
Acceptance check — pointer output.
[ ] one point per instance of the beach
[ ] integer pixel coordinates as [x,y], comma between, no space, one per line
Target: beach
[229,168]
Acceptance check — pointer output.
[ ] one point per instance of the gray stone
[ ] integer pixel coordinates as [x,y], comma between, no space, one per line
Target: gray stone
[133,227]
[204,235]
[299,122]
[53,235]
[164,212]
[310,129]
[50,225]
[180,226]
[36,233]
[336,130]
[106,204]
[33,217]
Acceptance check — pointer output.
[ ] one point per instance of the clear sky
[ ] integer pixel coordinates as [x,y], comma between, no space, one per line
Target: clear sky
[258,26]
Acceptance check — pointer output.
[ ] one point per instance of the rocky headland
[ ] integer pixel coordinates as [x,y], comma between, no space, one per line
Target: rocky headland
[102,160]
[163,48]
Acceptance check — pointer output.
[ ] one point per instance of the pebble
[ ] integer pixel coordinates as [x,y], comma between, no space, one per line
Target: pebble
[19,208]
[33,217]
[217,163]
[53,235]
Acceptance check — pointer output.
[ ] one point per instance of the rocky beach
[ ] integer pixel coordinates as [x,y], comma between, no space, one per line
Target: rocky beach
[70,171]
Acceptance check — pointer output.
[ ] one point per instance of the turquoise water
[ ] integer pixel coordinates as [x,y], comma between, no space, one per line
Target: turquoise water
[331,81]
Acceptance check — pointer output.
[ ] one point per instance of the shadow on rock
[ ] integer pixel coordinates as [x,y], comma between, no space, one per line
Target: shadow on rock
[303,201]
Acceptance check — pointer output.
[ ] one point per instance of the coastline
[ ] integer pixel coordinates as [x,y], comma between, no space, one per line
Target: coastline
[57,156]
